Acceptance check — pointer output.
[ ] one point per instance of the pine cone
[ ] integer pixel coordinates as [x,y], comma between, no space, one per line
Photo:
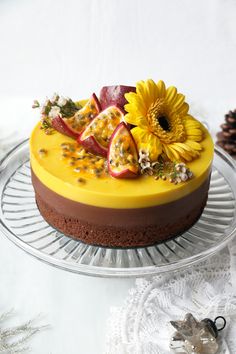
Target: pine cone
[227,137]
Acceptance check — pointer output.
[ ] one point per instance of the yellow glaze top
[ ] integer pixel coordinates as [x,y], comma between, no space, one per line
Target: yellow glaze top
[106,191]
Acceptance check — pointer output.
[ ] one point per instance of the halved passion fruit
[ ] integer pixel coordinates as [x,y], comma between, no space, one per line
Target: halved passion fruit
[73,126]
[96,136]
[123,154]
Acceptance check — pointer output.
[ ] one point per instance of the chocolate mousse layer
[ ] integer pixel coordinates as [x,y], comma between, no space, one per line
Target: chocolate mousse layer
[110,227]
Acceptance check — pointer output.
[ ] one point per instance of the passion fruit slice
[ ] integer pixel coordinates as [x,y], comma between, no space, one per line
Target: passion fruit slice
[96,136]
[123,154]
[73,126]
[114,95]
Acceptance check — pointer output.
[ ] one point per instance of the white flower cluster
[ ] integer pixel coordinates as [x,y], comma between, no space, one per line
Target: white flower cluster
[62,101]
[166,170]
[57,106]
[52,107]
[35,104]
[44,106]
[54,112]
[183,172]
[58,100]
[54,98]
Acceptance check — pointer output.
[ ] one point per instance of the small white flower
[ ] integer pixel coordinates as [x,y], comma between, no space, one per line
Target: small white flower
[180,167]
[189,173]
[54,112]
[178,180]
[35,104]
[183,177]
[143,154]
[44,106]
[54,98]
[62,101]
[145,164]
[142,158]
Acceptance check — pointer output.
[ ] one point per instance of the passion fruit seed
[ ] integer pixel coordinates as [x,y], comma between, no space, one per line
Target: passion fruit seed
[83,161]
[121,153]
[64,155]
[81,180]
[42,152]
[103,127]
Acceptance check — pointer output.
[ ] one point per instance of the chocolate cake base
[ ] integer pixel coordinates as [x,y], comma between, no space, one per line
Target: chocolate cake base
[122,228]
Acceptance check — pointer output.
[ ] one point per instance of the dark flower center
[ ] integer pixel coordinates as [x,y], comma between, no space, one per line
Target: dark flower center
[163,121]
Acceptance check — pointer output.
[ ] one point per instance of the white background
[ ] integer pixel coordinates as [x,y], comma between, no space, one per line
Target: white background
[74,48]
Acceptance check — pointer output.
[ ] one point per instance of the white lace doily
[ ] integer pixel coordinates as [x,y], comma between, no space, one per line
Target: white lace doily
[142,326]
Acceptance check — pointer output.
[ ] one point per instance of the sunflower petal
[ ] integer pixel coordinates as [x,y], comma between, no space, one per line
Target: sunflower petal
[186,151]
[155,146]
[171,93]
[191,122]
[161,88]
[168,152]
[140,88]
[178,101]
[183,110]
[152,91]
[194,145]
[136,120]
[193,129]
[140,135]
[135,103]
[131,119]
[174,152]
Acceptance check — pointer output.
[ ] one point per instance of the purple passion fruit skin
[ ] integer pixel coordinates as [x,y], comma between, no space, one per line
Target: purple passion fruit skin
[114,95]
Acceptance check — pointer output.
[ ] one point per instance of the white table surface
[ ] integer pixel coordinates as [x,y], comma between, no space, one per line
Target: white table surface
[74,48]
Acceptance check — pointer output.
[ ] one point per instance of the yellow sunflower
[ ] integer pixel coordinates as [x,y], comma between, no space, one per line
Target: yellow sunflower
[162,123]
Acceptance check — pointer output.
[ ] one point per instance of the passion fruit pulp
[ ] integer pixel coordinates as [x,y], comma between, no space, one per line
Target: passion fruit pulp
[96,136]
[123,154]
[73,126]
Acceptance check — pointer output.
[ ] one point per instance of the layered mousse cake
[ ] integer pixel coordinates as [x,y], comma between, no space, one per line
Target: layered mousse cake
[128,169]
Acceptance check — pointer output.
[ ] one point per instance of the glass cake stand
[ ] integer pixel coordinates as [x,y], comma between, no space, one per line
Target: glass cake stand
[22,223]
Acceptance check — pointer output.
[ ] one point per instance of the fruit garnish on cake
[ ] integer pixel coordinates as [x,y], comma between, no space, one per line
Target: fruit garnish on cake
[66,116]
[130,132]
[96,136]
[114,95]
[123,154]
[82,161]
[73,126]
